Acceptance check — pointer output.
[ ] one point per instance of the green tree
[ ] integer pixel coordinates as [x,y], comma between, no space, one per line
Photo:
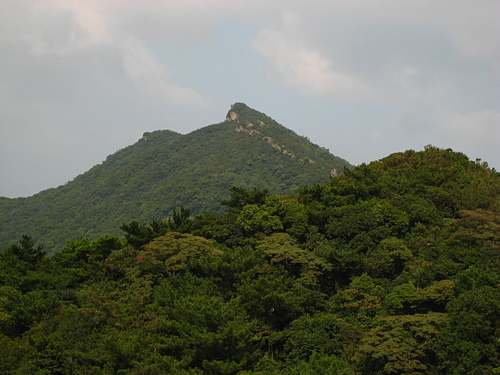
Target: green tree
[320,333]
[307,267]
[388,259]
[361,299]
[435,297]
[176,252]
[207,333]
[241,197]
[255,219]
[138,235]
[27,251]
[320,364]
[471,345]
[401,345]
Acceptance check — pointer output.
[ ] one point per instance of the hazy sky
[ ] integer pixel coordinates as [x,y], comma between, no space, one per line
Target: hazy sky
[81,79]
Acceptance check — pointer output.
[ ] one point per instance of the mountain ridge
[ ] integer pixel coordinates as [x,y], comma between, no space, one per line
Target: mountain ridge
[165,170]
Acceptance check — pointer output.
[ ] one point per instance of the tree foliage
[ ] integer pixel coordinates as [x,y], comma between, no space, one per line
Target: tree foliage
[391,268]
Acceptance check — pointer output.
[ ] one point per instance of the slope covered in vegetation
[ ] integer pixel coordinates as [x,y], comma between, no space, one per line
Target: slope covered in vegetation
[391,268]
[164,171]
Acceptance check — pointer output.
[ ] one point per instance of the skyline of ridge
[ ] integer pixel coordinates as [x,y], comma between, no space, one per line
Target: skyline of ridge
[79,80]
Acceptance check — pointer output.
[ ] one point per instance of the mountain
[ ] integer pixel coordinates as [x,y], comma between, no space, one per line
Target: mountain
[165,170]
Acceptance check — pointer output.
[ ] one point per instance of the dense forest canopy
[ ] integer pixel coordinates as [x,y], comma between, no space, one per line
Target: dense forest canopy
[391,268]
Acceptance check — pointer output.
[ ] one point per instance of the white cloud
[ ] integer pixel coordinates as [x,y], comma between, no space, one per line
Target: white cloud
[301,67]
[474,29]
[91,24]
[147,73]
[382,50]
[62,29]
[477,128]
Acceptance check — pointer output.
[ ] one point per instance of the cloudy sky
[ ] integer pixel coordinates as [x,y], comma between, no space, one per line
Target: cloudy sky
[81,79]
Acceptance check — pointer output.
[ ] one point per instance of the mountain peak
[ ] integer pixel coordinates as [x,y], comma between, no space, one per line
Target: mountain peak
[242,113]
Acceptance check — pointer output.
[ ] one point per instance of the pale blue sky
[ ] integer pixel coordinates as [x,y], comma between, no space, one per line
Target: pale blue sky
[81,79]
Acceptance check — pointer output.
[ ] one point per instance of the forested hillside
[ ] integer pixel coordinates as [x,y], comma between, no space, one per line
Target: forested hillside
[391,268]
[164,171]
